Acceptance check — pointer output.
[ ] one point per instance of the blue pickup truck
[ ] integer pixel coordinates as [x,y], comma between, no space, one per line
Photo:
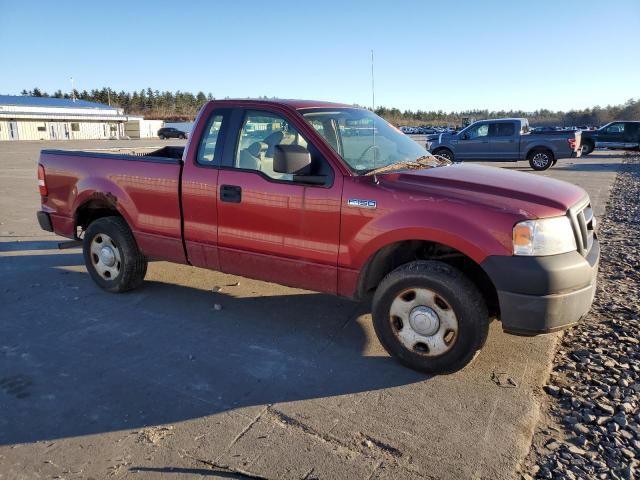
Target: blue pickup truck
[508,140]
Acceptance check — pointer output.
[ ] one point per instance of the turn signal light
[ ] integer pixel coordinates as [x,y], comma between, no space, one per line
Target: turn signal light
[41,182]
[522,234]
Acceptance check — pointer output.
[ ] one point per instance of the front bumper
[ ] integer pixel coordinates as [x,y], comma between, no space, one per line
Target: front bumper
[544,294]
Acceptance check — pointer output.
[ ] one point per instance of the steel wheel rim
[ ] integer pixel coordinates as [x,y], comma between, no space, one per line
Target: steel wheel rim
[540,159]
[423,322]
[105,256]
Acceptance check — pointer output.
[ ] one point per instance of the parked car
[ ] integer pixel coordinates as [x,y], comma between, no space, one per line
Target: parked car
[506,140]
[170,132]
[436,249]
[623,135]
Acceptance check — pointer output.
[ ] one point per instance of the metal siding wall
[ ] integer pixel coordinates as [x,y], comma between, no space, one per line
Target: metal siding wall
[28,130]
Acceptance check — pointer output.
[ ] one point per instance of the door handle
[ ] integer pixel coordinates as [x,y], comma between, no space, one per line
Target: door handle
[230,193]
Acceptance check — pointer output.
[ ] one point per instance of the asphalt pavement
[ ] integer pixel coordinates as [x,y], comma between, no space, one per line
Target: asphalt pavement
[204,375]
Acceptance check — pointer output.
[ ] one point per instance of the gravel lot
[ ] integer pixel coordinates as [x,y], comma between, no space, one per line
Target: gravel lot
[592,429]
[276,383]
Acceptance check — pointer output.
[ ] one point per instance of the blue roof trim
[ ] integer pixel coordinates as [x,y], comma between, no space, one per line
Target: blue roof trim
[49,102]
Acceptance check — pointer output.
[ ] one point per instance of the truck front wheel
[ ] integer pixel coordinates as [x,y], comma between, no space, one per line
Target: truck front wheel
[540,159]
[111,255]
[445,153]
[430,316]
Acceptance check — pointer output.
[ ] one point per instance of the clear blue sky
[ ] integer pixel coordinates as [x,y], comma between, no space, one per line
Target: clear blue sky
[429,55]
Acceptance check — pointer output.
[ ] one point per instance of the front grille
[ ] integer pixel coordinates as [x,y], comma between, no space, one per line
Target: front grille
[583,225]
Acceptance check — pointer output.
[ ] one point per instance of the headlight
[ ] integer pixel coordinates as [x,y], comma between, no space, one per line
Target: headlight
[547,236]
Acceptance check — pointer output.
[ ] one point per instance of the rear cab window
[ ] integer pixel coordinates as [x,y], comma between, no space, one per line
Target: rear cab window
[210,145]
[502,129]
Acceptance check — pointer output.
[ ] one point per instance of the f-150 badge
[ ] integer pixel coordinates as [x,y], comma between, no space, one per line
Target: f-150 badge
[360,203]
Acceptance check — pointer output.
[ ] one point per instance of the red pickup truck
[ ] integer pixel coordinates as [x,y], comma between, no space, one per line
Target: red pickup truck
[332,198]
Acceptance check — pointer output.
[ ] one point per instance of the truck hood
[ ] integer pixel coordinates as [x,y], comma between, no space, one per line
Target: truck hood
[527,194]
[440,137]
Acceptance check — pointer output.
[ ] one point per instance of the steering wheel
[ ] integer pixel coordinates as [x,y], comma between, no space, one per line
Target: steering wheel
[366,150]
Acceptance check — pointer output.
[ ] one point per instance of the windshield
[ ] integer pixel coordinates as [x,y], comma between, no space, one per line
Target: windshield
[365,141]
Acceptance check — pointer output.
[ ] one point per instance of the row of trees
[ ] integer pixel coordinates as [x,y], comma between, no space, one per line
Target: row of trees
[595,116]
[175,106]
[185,105]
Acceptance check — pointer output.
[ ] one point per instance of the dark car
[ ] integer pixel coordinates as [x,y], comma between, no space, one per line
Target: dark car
[170,132]
[621,135]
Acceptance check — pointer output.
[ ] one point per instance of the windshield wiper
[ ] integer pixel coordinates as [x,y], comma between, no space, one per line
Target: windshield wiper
[426,161]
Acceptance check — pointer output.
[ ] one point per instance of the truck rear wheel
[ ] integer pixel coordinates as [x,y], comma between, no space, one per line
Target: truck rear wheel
[111,255]
[430,316]
[587,147]
[540,159]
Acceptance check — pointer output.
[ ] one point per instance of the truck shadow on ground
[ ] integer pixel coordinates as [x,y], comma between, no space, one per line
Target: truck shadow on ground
[29,245]
[75,360]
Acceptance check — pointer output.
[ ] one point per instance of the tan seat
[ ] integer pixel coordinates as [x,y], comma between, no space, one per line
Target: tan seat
[251,157]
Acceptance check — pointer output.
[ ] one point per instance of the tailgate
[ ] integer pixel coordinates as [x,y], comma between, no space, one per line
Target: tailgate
[578,146]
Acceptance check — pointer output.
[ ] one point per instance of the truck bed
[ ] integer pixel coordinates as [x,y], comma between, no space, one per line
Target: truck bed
[143,187]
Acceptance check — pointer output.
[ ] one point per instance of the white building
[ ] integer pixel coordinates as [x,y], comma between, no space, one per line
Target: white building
[46,118]
[138,127]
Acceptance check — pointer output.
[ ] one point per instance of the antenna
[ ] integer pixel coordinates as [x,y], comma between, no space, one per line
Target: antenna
[373,109]
[73,90]
[373,92]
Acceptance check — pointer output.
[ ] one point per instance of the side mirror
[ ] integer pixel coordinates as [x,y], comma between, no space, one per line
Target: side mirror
[465,136]
[292,159]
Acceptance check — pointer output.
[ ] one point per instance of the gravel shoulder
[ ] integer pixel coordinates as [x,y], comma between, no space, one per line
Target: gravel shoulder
[591,426]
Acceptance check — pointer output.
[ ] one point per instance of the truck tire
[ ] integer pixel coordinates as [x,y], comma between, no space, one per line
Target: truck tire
[587,147]
[445,153]
[111,255]
[540,159]
[430,316]
[162,137]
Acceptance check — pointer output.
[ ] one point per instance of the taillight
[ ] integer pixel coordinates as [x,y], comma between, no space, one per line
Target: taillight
[572,143]
[42,184]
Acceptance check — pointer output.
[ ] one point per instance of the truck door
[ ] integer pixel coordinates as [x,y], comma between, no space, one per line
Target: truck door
[200,190]
[612,135]
[632,134]
[473,143]
[504,141]
[270,226]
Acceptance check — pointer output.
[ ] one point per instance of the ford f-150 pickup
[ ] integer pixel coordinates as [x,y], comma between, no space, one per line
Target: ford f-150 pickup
[506,140]
[623,135]
[332,198]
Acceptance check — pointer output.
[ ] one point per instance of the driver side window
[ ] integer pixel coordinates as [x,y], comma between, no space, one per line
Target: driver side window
[479,131]
[261,132]
[615,128]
